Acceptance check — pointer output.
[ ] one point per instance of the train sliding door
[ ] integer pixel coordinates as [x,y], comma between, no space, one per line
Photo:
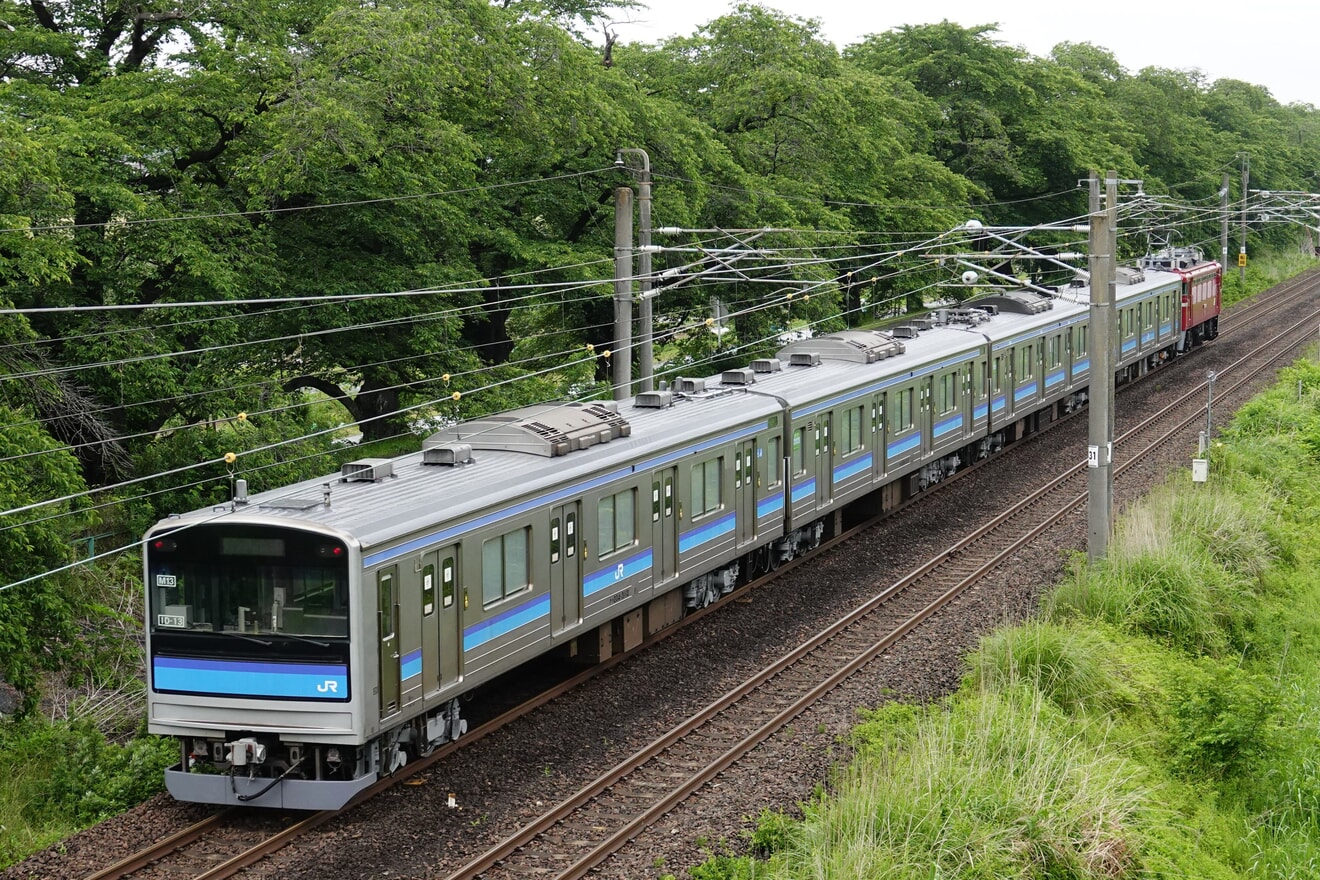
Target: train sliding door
[387,628]
[664,536]
[744,490]
[565,567]
[442,643]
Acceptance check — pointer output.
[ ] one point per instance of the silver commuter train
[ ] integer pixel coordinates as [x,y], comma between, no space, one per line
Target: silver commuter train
[304,641]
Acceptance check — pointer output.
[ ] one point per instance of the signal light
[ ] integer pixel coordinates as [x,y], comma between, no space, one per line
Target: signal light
[164,546]
[334,551]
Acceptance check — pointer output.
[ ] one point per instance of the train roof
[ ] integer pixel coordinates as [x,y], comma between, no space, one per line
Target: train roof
[504,460]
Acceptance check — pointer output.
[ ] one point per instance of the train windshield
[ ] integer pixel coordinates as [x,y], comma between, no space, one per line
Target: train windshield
[248,580]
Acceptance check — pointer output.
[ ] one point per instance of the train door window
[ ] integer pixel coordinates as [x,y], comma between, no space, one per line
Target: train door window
[1150,314]
[504,566]
[556,540]
[1055,351]
[706,486]
[616,522]
[978,379]
[655,501]
[1080,341]
[385,598]
[428,590]
[851,429]
[774,461]
[997,375]
[570,535]
[448,578]
[1026,362]
[799,451]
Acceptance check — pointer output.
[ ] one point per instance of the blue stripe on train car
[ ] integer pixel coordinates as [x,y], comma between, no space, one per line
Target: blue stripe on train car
[1024,392]
[410,665]
[805,489]
[950,424]
[1083,364]
[1148,336]
[506,622]
[1129,345]
[998,403]
[980,410]
[1054,378]
[770,504]
[852,468]
[907,444]
[706,533]
[638,563]
[1165,329]
[247,678]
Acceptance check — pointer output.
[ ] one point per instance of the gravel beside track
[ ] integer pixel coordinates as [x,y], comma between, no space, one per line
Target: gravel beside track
[499,782]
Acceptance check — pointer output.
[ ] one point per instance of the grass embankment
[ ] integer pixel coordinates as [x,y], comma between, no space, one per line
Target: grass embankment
[1159,719]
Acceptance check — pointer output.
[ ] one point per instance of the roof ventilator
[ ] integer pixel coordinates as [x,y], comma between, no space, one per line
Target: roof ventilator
[767,365]
[366,470]
[804,359]
[654,400]
[448,454]
[741,376]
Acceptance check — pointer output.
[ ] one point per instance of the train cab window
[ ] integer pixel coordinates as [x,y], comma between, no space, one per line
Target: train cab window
[616,522]
[774,461]
[851,430]
[428,590]
[706,486]
[799,451]
[448,577]
[504,569]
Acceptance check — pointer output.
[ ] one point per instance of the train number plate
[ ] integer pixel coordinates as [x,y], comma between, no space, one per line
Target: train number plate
[166,580]
[176,620]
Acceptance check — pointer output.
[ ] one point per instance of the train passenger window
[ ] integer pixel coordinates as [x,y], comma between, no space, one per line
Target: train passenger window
[616,522]
[1026,362]
[947,394]
[504,566]
[428,590]
[774,461]
[447,579]
[904,402]
[851,429]
[799,451]
[706,486]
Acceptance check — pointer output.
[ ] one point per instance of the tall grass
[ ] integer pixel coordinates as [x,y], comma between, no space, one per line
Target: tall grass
[993,787]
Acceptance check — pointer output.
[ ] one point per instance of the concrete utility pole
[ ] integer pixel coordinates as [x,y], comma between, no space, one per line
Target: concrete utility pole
[1100,416]
[1242,246]
[646,328]
[621,357]
[1223,228]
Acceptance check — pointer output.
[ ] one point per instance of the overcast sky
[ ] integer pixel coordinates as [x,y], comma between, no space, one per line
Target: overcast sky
[1272,43]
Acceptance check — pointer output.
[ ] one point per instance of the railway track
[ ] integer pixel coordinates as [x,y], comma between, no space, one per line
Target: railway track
[579,834]
[584,830]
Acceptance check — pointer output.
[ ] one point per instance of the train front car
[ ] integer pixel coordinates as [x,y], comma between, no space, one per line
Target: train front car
[251,665]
